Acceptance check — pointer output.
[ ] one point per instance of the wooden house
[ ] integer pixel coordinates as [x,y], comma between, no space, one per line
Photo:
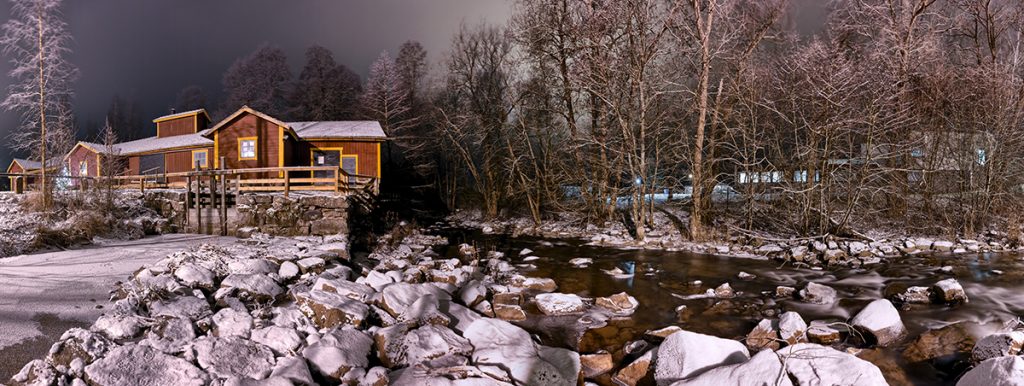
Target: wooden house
[24,166]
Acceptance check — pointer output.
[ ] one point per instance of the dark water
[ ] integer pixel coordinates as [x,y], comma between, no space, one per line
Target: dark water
[662,278]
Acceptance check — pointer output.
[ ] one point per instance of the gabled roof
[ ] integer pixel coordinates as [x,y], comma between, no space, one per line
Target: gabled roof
[245,109]
[339,129]
[149,144]
[182,115]
[30,165]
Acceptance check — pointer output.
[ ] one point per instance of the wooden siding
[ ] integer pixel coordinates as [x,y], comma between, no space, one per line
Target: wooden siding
[180,126]
[133,165]
[366,152]
[83,154]
[248,125]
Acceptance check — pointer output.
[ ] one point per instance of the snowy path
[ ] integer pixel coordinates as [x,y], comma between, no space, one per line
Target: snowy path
[66,287]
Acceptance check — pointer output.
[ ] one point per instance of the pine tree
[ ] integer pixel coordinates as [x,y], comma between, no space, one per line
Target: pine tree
[325,90]
[190,98]
[259,80]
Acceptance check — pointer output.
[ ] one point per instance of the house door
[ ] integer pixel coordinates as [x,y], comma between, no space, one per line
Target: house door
[326,158]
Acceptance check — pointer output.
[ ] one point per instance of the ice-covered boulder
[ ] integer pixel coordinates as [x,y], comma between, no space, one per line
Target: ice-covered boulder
[402,345]
[328,309]
[500,343]
[818,294]
[881,322]
[686,354]
[397,297]
[170,335]
[557,304]
[282,340]
[997,345]
[811,364]
[339,351]
[195,276]
[233,357]
[142,365]
[1000,371]
[255,287]
[950,291]
[229,322]
[765,368]
[188,307]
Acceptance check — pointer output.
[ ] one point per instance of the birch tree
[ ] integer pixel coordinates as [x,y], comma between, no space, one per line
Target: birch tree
[38,42]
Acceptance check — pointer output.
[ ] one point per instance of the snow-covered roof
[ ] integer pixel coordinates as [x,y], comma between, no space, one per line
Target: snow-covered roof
[338,129]
[181,115]
[152,144]
[35,165]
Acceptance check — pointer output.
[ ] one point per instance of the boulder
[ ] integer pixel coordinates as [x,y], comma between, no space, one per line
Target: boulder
[78,347]
[811,364]
[353,290]
[378,280]
[638,369]
[818,294]
[881,322]
[724,291]
[339,351]
[400,346]
[686,354]
[784,292]
[396,297]
[328,310]
[312,265]
[195,276]
[999,371]
[946,342]
[252,266]
[36,373]
[997,345]
[746,276]
[119,326]
[188,307]
[500,343]
[619,304]
[509,312]
[557,304]
[597,363]
[765,368]
[228,322]
[792,328]
[170,335]
[472,293]
[282,340]
[233,357]
[822,333]
[294,369]
[425,310]
[581,262]
[942,246]
[915,295]
[764,336]
[949,291]
[288,270]
[254,287]
[142,365]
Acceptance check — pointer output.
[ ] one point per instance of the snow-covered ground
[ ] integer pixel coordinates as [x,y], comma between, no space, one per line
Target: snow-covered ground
[71,284]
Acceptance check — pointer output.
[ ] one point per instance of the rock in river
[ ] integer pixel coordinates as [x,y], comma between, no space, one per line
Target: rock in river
[881,322]
[818,294]
[503,344]
[1001,371]
[765,368]
[998,344]
[556,304]
[811,364]
[950,291]
[686,354]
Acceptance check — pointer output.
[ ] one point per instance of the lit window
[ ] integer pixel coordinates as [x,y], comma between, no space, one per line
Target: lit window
[247,148]
[982,157]
[800,176]
[743,177]
[83,169]
[199,157]
[917,153]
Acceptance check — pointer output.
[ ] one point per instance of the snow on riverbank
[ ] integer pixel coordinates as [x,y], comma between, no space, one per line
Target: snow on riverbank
[666,234]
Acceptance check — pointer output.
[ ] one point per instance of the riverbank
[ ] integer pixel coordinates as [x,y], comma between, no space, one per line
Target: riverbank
[667,234]
[417,310]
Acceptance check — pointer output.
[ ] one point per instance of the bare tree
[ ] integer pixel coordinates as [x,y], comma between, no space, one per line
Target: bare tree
[259,80]
[38,42]
[191,97]
[325,89]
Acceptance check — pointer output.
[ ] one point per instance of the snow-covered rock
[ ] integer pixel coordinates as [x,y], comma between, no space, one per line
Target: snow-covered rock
[170,335]
[765,368]
[328,309]
[399,345]
[188,307]
[339,351]
[257,287]
[425,310]
[395,298]
[229,322]
[915,295]
[999,371]
[632,373]
[293,369]
[118,326]
[818,294]
[811,364]
[765,335]
[195,276]
[881,321]
[288,270]
[822,333]
[282,340]
[792,328]
[557,304]
[581,262]
[502,344]
[233,357]
[686,354]
[142,365]
[942,245]
[724,291]
[950,291]
[356,291]
[619,304]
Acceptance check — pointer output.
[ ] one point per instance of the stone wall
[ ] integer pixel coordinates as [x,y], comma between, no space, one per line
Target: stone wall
[297,215]
[270,213]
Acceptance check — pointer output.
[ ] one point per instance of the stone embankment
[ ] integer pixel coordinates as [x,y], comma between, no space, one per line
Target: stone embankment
[300,214]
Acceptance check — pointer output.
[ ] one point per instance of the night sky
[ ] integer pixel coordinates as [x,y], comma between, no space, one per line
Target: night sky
[148,50]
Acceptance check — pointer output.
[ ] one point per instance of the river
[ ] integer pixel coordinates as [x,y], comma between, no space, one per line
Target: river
[993,282]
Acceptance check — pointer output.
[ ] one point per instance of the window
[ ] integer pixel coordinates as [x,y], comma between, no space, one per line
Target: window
[917,153]
[199,157]
[800,176]
[247,148]
[982,157]
[83,169]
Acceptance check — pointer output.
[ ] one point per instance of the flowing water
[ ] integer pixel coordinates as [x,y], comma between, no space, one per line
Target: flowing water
[993,282]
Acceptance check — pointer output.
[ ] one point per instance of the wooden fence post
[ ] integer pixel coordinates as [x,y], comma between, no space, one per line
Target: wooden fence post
[337,180]
[188,197]
[287,184]
[199,200]
[223,202]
